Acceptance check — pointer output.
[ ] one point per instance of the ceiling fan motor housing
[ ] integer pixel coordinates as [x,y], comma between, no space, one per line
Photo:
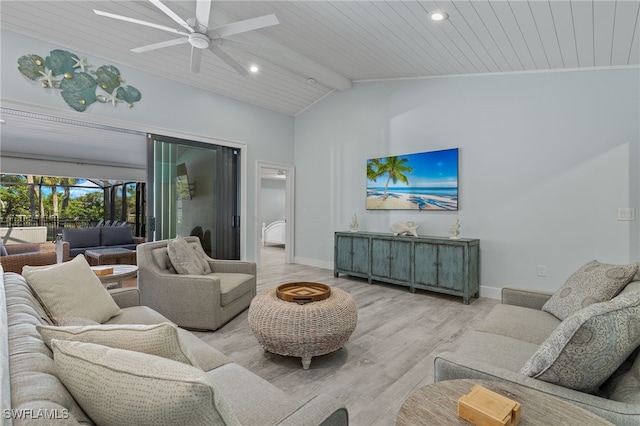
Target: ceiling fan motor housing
[198,40]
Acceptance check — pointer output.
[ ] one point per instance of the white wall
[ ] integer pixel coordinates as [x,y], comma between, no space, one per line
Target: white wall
[545,161]
[166,107]
[273,197]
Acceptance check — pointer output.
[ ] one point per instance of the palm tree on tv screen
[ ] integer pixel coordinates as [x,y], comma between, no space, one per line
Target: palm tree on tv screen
[396,168]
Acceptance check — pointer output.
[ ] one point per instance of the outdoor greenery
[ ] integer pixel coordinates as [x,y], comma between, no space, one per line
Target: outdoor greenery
[45,196]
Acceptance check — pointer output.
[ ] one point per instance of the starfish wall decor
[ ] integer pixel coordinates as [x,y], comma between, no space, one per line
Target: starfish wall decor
[68,72]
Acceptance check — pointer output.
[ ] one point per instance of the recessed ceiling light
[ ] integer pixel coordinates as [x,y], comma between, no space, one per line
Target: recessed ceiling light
[439,16]
[254,69]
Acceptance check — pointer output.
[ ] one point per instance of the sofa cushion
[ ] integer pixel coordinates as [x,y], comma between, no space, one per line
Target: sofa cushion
[590,345]
[515,321]
[594,282]
[158,339]
[627,386]
[3,250]
[183,258]
[70,289]
[115,235]
[81,237]
[253,400]
[497,350]
[120,387]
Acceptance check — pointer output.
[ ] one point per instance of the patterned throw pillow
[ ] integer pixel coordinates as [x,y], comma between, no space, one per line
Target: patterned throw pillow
[586,348]
[185,259]
[156,339]
[593,283]
[120,387]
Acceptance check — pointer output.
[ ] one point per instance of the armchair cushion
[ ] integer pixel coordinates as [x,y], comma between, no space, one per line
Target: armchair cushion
[111,384]
[70,289]
[156,339]
[586,348]
[81,237]
[115,235]
[594,282]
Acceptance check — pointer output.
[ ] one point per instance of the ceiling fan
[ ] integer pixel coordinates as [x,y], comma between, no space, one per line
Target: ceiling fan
[195,31]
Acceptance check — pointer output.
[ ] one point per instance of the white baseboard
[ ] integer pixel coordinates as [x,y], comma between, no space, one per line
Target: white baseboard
[313,262]
[491,292]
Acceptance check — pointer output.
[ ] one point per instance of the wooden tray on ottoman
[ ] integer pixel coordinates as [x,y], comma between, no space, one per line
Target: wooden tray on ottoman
[303,292]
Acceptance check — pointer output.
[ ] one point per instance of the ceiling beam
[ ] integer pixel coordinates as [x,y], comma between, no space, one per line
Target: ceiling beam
[292,60]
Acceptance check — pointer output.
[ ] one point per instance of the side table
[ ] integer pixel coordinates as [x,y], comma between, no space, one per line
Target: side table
[437,404]
[120,273]
[106,256]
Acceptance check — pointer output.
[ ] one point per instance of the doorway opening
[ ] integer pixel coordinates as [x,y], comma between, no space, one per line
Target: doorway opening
[274,214]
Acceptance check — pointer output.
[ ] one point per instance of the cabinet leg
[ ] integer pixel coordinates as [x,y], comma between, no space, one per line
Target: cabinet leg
[465,300]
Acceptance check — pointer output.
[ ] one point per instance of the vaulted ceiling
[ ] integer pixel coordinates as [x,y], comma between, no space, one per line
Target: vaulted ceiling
[328,45]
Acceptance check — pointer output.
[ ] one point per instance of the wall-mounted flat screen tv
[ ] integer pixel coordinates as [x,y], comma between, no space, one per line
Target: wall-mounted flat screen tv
[421,181]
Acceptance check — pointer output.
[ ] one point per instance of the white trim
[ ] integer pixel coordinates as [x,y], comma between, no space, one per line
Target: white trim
[491,292]
[289,248]
[492,74]
[324,264]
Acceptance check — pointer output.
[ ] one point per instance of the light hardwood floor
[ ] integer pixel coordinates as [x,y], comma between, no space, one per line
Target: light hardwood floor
[389,355]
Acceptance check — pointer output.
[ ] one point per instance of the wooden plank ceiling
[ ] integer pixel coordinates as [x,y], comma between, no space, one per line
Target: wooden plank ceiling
[334,42]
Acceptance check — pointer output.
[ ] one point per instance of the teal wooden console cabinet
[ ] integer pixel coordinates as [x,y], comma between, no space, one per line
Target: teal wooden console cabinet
[428,263]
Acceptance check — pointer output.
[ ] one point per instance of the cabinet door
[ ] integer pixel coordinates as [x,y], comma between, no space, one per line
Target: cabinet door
[391,259]
[426,264]
[352,254]
[451,267]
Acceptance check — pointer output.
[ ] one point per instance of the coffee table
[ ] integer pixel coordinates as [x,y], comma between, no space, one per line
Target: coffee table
[120,273]
[303,330]
[107,256]
[437,404]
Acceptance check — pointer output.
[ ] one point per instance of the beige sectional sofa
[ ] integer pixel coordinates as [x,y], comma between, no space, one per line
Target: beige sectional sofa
[506,340]
[30,387]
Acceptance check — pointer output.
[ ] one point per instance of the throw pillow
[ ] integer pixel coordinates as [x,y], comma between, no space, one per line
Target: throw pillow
[120,387]
[183,258]
[3,250]
[594,282]
[157,339]
[81,237]
[64,321]
[70,289]
[586,348]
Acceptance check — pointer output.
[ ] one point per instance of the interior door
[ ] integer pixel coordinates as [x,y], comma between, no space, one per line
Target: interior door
[195,191]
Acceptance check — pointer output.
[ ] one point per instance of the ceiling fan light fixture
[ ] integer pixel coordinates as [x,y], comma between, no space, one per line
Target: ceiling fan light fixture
[199,41]
[439,16]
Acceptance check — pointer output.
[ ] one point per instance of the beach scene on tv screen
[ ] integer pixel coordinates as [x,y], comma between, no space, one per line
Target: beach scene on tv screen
[422,181]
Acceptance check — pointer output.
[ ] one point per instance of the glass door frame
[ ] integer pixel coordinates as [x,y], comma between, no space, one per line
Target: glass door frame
[201,142]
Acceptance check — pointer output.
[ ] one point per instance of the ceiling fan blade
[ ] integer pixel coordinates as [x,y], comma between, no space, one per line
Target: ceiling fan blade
[250,47]
[171,14]
[229,60]
[160,45]
[243,26]
[203,9]
[138,21]
[196,58]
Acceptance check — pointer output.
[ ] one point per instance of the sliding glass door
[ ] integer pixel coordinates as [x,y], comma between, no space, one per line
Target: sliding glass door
[196,191]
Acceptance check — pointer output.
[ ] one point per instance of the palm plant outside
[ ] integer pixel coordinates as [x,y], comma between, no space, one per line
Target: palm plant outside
[395,167]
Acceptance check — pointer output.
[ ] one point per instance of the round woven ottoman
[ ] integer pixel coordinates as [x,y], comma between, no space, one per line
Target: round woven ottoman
[303,330]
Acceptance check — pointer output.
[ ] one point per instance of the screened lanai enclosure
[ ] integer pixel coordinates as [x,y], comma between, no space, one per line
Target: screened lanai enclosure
[62,202]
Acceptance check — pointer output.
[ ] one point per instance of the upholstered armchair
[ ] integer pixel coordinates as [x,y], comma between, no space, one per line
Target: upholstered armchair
[19,255]
[194,301]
